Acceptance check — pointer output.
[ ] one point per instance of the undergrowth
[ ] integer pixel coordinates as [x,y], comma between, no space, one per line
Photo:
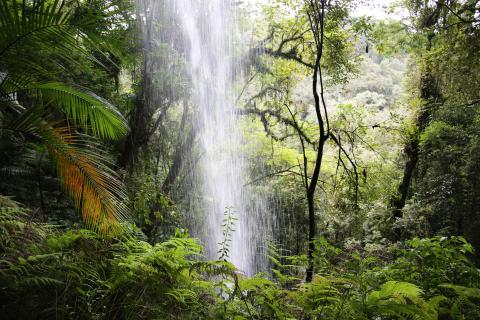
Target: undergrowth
[47,273]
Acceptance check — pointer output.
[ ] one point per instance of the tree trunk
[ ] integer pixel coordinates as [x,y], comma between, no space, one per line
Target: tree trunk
[182,148]
[137,137]
[142,114]
[398,202]
[312,231]
[431,96]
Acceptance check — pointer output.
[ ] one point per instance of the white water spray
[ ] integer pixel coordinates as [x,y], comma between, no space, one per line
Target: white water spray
[207,33]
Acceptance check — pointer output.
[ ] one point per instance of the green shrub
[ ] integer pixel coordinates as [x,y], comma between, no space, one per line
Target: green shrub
[76,274]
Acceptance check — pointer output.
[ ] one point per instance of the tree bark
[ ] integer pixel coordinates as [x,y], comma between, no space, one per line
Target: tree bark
[182,150]
[317,20]
[430,95]
[142,113]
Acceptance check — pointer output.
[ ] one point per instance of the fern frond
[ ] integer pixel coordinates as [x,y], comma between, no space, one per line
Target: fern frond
[401,299]
[214,268]
[469,292]
[397,291]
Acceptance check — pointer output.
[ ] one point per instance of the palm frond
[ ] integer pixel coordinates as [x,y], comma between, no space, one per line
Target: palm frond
[83,169]
[41,25]
[95,188]
[85,109]
[31,27]
[17,22]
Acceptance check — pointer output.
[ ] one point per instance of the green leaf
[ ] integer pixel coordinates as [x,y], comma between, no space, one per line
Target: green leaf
[85,109]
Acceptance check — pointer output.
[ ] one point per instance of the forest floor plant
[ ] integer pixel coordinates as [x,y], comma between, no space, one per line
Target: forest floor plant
[46,273]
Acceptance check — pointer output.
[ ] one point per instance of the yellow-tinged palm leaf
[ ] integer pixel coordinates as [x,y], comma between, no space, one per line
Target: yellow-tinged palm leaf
[95,188]
[83,170]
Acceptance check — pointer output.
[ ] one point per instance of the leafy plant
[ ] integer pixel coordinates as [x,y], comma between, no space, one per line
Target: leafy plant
[53,114]
[228,225]
[463,303]
[433,261]
[398,299]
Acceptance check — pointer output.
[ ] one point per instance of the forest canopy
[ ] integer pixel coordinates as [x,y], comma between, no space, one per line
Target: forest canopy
[220,159]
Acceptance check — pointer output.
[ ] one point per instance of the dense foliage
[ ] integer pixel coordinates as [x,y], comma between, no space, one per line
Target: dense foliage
[77,274]
[372,180]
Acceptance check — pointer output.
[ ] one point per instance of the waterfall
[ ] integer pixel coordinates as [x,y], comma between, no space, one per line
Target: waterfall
[211,31]
[206,34]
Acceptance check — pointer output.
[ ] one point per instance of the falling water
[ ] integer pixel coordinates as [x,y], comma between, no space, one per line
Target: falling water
[209,38]
[211,32]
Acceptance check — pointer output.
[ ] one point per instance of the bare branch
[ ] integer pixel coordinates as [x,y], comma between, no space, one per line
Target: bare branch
[277,173]
[352,162]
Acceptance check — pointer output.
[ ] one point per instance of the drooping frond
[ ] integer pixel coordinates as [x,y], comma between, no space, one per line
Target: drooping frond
[85,109]
[27,28]
[83,170]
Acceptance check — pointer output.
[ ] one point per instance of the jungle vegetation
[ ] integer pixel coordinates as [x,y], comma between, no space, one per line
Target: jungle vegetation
[364,132]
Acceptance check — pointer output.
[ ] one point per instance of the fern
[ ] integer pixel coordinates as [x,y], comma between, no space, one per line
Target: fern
[285,268]
[399,299]
[463,304]
[322,297]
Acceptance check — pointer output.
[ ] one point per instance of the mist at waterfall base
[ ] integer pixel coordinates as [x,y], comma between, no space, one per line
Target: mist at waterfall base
[206,36]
